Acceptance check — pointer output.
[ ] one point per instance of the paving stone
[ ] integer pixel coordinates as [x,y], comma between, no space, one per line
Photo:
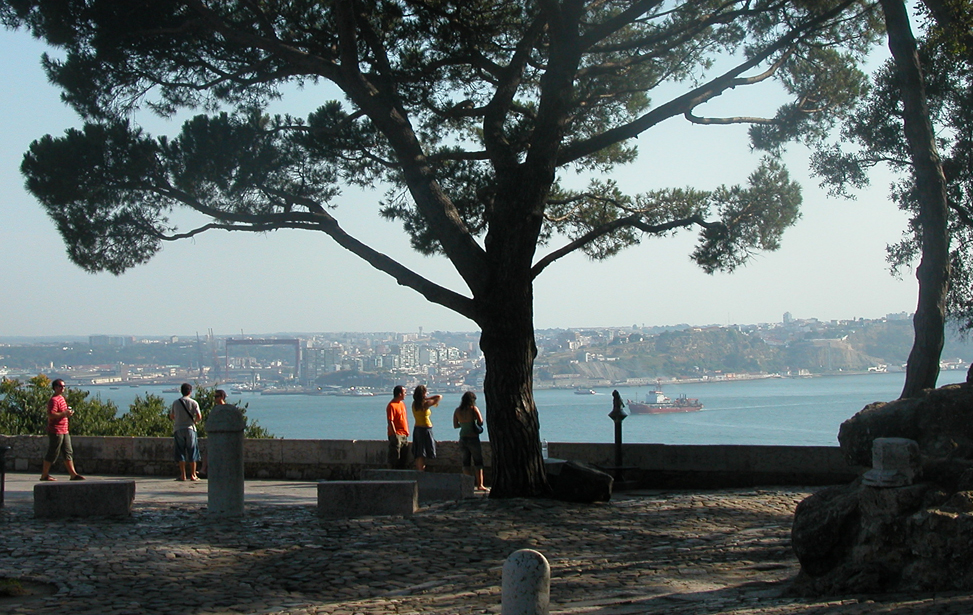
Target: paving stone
[676,553]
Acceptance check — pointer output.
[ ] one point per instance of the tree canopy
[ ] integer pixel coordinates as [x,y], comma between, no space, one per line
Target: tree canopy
[474,115]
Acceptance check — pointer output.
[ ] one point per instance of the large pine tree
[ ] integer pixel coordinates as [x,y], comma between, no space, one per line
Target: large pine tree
[471,111]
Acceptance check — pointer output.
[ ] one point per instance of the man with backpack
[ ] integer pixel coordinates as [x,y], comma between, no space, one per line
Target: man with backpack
[185,414]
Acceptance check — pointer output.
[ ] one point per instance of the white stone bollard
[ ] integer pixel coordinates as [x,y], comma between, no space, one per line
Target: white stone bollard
[895,463]
[526,585]
[224,429]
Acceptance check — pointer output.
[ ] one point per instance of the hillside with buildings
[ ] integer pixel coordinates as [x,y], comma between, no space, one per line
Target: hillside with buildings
[357,363]
[789,348]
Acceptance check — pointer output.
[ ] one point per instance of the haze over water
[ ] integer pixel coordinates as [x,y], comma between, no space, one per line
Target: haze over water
[777,411]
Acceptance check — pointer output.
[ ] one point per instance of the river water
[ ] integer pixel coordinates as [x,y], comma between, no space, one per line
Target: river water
[782,411]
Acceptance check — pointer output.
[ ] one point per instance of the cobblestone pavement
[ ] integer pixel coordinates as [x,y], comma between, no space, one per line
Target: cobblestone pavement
[674,553]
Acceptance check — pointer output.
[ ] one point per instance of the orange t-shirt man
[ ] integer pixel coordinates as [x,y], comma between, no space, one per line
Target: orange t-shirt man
[398,430]
[398,423]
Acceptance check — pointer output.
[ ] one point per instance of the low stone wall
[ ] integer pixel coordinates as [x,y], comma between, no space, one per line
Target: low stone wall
[262,458]
[652,465]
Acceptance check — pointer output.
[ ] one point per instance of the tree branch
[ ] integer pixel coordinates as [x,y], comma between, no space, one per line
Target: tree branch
[319,220]
[315,65]
[506,89]
[382,107]
[670,38]
[710,121]
[690,100]
[961,211]
[634,221]
[617,22]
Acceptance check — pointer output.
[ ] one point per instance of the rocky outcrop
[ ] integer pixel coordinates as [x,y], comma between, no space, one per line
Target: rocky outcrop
[917,537]
[940,420]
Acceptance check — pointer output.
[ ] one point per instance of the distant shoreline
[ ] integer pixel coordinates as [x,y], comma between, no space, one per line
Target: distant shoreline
[642,382]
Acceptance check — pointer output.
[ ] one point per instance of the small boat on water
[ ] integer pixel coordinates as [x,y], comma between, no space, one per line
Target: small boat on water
[585,392]
[656,402]
[239,388]
[356,392]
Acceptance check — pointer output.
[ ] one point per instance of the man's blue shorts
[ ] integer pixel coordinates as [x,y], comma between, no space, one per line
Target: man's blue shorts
[187,446]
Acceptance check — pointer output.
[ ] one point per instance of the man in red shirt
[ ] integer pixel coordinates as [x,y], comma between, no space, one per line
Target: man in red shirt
[58,438]
[398,430]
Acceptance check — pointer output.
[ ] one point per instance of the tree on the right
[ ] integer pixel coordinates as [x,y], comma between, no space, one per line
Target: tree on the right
[918,121]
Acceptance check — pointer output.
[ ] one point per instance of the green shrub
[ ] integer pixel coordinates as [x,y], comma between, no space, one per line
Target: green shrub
[23,411]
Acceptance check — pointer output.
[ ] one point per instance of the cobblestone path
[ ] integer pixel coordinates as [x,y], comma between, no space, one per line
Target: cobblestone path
[668,553]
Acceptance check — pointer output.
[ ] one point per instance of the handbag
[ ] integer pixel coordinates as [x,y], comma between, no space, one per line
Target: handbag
[477,427]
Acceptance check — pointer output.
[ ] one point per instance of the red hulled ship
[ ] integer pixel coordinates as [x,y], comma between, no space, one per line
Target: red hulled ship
[657,403]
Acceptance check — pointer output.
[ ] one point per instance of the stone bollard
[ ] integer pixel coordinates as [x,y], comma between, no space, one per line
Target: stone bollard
[895,463]
[224,429]
[526,584]
[3,470]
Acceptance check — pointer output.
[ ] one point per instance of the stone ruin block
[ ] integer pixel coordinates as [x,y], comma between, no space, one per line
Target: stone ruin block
[433,486]
[895,463]
[359,498]
[90,498]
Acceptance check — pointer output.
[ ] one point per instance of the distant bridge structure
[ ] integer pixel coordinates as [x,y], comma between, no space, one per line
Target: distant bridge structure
[296,343]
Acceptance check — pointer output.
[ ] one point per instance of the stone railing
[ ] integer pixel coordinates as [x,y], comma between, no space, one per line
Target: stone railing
[649,465]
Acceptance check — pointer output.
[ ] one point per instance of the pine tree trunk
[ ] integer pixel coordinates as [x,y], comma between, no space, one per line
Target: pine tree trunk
[507,341]
[922,370]
[505,310]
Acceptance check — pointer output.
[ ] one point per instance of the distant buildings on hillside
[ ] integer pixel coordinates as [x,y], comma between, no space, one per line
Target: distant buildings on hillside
[443,359]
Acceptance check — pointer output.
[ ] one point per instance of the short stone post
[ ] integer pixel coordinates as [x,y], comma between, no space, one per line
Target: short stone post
[526,585]
[224,429]
[895,463]
[3,470]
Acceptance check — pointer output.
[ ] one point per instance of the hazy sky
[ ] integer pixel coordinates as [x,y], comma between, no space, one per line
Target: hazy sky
[831,264]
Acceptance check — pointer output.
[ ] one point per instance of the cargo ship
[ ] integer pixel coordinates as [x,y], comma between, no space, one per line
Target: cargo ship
[657,403]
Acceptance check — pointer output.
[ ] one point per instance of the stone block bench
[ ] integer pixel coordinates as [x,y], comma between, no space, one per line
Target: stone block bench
[433,487]
[90,498]
[355,498]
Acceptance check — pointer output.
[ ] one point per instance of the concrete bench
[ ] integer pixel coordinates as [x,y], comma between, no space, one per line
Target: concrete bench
[433,487]
[90,498]
[355,498]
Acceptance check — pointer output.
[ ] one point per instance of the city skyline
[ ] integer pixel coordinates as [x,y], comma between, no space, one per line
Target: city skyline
[831,264]
[453,360]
